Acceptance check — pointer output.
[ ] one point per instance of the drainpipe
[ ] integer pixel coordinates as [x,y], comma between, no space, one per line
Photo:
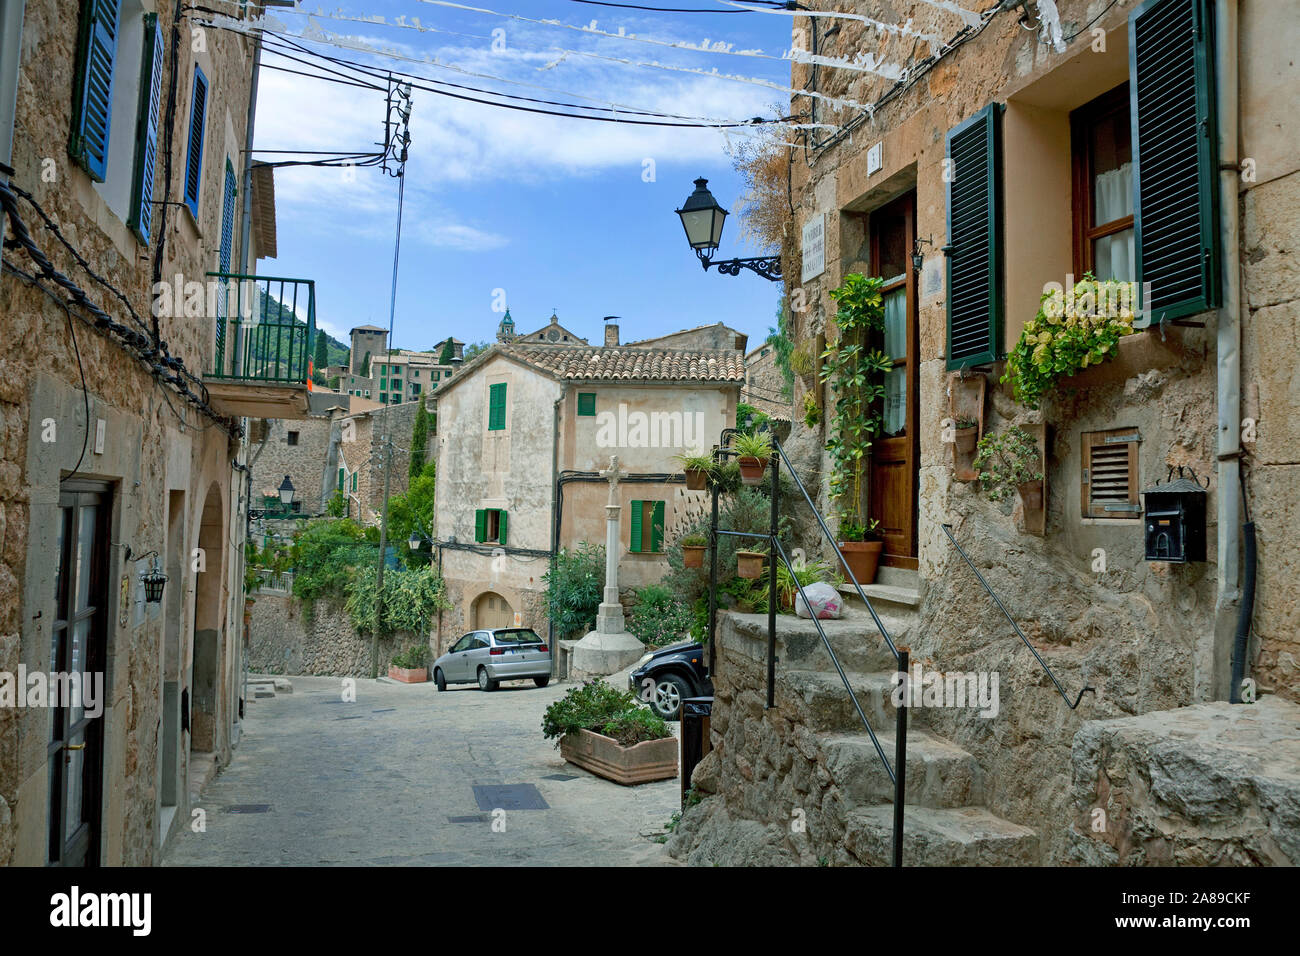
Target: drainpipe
[1228,357]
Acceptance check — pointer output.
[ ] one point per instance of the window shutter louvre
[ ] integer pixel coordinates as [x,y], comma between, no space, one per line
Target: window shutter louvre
[497,407]
[501,527]
[92,104]
[194,158]
[140,220]
[342,471]
[634,539]
[587,404]
[1110,474]
[1175,140]
[480,525]
[974,148]
[657,528]
[354,481]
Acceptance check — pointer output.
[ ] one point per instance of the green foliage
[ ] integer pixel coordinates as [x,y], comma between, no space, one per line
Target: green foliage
[419,438]
[781,341]
[337,507]
[702,462]
[1005,460]
[475,349]
[852,529]
[805,572]
[413,510]
[365,366]
[752,444]
[812,412]
[856,373]
[658,618]
[411,598]
[448,351]
[636,726]
[695,540]
[1054,344]
[325,554]
[321,357]
[749,418]
[575,585]
[413,658]
[588,707]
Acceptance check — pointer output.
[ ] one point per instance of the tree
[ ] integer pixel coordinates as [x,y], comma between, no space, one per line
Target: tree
[475,349]
[419,439]
[321,360]
[365,366]
[447,352]
[413,511]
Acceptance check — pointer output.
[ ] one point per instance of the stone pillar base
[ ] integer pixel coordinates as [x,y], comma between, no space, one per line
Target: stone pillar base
[599,653]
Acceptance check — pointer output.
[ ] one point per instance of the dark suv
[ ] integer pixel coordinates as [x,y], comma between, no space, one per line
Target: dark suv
[666,677]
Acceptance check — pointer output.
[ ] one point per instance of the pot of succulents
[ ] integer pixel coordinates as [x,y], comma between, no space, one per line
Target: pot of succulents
[753,450]
[1008,461]
[749,563]
[607,732]
[967,430]
[697,468]
[693,548]
[861,546]
[410,666]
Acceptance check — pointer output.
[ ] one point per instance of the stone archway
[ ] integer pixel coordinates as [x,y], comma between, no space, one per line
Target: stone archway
[492,610]
[209,611]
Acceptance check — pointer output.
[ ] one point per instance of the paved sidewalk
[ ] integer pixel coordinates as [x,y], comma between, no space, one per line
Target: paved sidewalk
[389,780]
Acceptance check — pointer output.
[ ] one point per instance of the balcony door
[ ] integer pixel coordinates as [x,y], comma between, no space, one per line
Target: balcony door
[78,642]
[895,450]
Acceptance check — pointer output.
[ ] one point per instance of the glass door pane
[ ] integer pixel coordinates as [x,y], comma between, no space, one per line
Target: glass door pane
[895,346]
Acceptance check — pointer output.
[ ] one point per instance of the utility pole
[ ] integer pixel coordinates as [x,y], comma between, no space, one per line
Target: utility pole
[399,100]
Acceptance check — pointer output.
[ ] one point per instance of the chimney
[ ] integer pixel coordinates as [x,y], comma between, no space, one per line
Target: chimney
[611,332]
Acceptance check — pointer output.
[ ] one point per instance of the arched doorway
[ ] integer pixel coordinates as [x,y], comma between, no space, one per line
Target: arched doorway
[492,610]
[209,611]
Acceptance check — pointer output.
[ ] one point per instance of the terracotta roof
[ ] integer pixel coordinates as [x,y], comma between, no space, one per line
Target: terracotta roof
[586,363]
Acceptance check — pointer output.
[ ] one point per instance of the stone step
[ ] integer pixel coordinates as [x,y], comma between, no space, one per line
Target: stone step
[962,836]
[854,637]
[885,598]
[824,704]
[939,773]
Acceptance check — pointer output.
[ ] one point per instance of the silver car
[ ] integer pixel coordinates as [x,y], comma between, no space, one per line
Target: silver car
[488,657]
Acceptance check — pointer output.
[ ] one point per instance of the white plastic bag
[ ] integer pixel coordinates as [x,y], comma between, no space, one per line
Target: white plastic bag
[825,600]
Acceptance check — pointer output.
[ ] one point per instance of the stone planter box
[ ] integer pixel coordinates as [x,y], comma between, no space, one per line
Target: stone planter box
[409,675]
[606,757]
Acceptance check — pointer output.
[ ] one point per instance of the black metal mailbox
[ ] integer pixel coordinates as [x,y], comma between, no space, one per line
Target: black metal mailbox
[1174,521]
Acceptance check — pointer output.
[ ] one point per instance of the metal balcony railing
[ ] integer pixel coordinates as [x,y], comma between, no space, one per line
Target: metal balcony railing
[265,328]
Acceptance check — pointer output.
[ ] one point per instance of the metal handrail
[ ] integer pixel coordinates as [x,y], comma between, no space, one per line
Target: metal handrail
[947,529]
[776,445]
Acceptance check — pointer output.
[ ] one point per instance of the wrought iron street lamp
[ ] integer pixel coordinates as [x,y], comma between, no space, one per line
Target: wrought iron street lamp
[703,219]
[286,492]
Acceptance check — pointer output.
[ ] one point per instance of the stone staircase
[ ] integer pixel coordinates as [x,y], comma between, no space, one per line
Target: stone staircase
[947,822]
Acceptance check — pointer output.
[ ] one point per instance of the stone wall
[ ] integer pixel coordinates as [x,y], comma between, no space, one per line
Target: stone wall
[763,384]
[285,638]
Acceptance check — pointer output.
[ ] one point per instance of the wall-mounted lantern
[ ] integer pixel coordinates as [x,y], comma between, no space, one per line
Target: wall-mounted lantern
[1175,519]
[153,579]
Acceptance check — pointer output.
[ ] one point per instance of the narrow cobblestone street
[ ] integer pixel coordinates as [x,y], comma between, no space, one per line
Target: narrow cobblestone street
[391,778]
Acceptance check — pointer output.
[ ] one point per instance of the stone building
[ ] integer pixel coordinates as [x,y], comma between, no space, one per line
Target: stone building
[394,376]
[124,179]
[1025,146]
[524,429]
[764,384]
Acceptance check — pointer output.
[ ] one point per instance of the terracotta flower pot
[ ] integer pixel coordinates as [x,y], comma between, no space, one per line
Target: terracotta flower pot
[967,439]
[862,558]
[606,757]
[408,675]
[751,469]
[693,555]
[749,564]
[1031,494]
[697,479]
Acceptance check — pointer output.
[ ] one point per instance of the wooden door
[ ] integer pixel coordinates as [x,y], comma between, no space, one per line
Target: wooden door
[78,643]
[895,451]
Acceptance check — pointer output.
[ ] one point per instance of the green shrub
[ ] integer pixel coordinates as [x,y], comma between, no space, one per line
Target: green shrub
[658,617]
[413,658]
[636,726]
[411,597]
[588,707]
[325,554]
[575,585]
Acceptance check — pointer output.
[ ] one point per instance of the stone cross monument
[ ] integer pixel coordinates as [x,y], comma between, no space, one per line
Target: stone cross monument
[609,648]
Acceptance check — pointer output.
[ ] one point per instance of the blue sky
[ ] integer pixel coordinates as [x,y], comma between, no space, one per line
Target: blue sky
[555,212]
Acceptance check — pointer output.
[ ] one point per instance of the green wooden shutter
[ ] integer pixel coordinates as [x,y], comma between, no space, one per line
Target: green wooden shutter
[497,407]
[92,101]
[342,471]
[657,527]
[501,527]
[140,220]
[354,481]
[480,525]
[634,539]
[1175,156]
[194,158]
[974,239]
[587,404]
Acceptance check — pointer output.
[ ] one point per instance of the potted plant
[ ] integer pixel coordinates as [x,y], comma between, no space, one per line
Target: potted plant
[607,732]
[693,548]
[749,563]
[861,546]
[1011,460]
[753,450]
[697,468]
[410,666]
[801,573]
[967,434]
